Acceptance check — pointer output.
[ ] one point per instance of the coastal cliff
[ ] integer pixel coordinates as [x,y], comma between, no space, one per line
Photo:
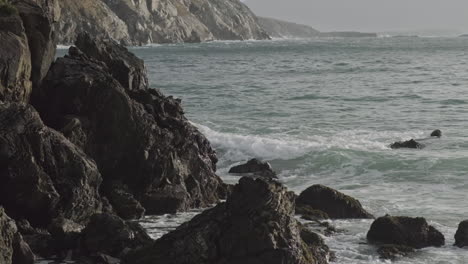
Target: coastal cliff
[157,21]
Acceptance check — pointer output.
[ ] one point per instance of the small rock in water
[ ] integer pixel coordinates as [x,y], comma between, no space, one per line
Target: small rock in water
[436,133]
[412,144]
[461,237]
[256,167]
[405,231]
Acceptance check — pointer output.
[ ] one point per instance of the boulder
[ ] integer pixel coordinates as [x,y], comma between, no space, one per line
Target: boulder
[12,247]
[392,252]
[110,235]
[255,225]
[22,253]
[405,231]
[42,174]
[255,167]
[41,38]
[139,138]
[15,60]
[123,65]
[125,204]
[309,213]
[412,144]
[436,133]
[331,202]
[461,237]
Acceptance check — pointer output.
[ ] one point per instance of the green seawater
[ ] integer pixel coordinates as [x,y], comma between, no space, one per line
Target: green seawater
[324,111]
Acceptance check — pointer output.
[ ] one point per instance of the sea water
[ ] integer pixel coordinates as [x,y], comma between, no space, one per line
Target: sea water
[324,111]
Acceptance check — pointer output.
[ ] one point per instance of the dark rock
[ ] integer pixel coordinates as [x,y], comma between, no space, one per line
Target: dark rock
[65,235]
[7,236]
[15,60]
[461,237]
[43,175]
[333,203]
[42,243]
[125,204]
[139,138]
[255,225]
[24,227]
[225,190]
[61,227]
[256,167]
[412,144]
[436,133]
[110,235]
[392,252]
[41,38]
[316,245]
[22,253]
[124,66]
[309,213]
[405,231]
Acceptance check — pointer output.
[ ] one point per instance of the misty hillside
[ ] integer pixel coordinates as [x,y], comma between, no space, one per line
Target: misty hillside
[282,29]
[137,22]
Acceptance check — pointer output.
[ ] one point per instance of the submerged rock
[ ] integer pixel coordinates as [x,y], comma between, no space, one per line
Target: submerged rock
[42,174]
[412,144]
[461,237]
[255,167]
[405,231]
[255,225]
[436,133]
[138,137]
[331,202]
[392,252]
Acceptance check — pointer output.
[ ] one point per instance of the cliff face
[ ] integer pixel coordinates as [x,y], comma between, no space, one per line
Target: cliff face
[138,22]
[282,29]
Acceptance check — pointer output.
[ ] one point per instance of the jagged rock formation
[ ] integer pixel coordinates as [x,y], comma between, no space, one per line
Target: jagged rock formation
[158,21]
[331,202]
[42,174]
[13,250]
[255,225]
[255,168]
[139,138]
[282,29]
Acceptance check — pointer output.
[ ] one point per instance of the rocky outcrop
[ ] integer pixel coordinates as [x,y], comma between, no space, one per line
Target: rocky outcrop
[15,60]
[255,225]
[436,133]
[347,34]
[411,144]
[282,29]
[137,136]
[12,247]
[393,252]
[405,231]
[42,174]
[255,167]
[333,203]
[165,21]
[461,237]
[108,234]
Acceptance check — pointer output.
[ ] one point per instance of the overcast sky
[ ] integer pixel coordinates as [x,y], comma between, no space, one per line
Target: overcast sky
[369,15]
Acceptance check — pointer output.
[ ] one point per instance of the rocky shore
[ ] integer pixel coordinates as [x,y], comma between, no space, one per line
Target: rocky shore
[86,146]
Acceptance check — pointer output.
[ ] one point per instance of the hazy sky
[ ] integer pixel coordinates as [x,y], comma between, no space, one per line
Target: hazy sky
[368,15]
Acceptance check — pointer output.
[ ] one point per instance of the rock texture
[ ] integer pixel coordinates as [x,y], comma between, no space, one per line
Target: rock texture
[42,174]
[15,60]
[158,21]
[12,247]
[392,252]
[405,231]
[255,225]
[256,168]
[138,137]
[282,29]
[333,203]
[461,237]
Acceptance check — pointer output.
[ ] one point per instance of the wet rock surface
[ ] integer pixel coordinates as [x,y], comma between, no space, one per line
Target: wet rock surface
[411,144]
[255,225]
[331,202]
[405,231]
[393,252]
[461,236]
[256,168]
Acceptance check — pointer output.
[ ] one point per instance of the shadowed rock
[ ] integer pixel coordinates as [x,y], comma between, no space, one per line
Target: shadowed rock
[255,225]
[461,237]
[13,250]
[256,168]
[42,174]
[138,137]
[412,144]
[405,231]
[436,133]
[331,202]
[392,252]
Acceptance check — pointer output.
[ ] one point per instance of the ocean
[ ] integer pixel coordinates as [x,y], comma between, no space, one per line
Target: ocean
[324,111]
